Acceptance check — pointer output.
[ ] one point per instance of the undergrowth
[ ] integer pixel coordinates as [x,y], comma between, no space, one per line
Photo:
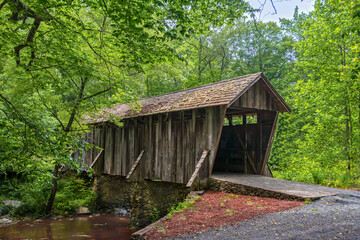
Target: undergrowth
[187,203]
[33,192]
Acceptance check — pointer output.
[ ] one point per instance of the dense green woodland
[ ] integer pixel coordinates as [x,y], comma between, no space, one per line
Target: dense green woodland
[63,59]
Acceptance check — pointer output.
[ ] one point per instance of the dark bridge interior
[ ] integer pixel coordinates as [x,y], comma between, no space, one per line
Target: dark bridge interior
[244,145]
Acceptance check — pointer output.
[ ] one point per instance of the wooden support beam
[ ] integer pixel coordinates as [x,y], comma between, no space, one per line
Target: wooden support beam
[244,118]
[249,158]
[96,158]
[197,168]
[268,148]
[134,165]
[260,143]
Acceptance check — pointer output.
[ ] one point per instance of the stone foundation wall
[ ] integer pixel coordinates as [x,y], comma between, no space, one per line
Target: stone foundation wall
[229,187]
[146,200]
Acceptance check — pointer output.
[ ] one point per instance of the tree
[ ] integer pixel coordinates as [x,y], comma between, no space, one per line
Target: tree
[326,102]
[62,58]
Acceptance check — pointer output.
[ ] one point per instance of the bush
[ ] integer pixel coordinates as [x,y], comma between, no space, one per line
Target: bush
[34,191]
[73,192]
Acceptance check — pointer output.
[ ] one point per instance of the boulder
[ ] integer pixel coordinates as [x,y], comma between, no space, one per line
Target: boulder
[120,212]
[83,210]
[5,221]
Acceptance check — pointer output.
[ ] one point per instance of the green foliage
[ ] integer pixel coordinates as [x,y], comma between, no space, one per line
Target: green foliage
[30,191]
[33,192]
[320,141]
[73,192]
[155,214]
[187,203]
[230,212]
[61,60]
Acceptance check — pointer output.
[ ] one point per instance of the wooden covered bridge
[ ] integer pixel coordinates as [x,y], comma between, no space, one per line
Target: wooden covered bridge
[227,126]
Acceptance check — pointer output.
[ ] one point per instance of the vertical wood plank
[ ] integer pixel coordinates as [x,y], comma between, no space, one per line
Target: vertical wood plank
[173,150]
[89,152]
[124,150]
[192,150]
[180,162]
[142,139]
[151,158]
[117,152]
[268,148]
[199,143]
[218,123]
[163,151]
[157,148]
[146,149]
[177,132]
[108,151]
[187,157]
[96,151]
[100,162]
[131,150]
[137,144]
[170,149]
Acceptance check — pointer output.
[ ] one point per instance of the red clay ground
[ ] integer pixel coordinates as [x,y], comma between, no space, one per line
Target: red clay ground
[215,209]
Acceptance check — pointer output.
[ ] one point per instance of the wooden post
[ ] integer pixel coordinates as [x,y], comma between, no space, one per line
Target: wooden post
[260,143]
[245,139]
[134,165]
[197,168]
[268,148]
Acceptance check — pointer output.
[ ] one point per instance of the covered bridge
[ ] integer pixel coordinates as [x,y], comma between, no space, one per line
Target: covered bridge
[226,126]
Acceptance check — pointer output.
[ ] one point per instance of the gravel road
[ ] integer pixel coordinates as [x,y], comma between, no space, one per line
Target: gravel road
[335,217]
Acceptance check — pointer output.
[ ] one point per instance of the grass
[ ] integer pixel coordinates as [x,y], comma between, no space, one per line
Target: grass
[188,203]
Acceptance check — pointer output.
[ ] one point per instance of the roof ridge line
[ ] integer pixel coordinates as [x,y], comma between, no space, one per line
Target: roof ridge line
[187,89]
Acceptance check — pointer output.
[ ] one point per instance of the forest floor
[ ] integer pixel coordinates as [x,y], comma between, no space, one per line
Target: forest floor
[217,209]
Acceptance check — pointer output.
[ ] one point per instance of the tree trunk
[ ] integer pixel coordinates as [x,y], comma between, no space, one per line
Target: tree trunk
[66,130]
[53,190]
[348,134]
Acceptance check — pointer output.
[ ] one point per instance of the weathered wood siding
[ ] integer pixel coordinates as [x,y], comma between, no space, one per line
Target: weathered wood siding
[172,143]
[257,97]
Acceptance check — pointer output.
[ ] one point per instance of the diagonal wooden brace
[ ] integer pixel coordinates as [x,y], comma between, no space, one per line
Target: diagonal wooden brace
[135,165]
[197,168]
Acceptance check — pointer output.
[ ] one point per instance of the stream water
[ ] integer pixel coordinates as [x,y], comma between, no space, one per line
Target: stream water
[81,227]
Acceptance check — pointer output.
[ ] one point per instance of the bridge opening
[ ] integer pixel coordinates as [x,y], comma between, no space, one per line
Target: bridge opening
[244,143]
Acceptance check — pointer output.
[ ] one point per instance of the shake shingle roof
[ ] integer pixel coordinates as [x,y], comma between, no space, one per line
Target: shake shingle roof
[213,94]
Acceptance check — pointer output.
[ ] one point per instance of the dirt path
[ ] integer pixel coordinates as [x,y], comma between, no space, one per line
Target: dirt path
[334,217]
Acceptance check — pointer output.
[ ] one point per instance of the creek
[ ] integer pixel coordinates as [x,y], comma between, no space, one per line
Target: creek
[79,227]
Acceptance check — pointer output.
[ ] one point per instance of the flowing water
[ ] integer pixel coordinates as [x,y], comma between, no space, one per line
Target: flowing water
[81,227]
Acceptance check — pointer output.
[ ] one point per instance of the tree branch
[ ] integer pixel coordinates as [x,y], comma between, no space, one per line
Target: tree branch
[3,4]
[27,13]
[7,102]
[98,93]
[52,113]
[76,105]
